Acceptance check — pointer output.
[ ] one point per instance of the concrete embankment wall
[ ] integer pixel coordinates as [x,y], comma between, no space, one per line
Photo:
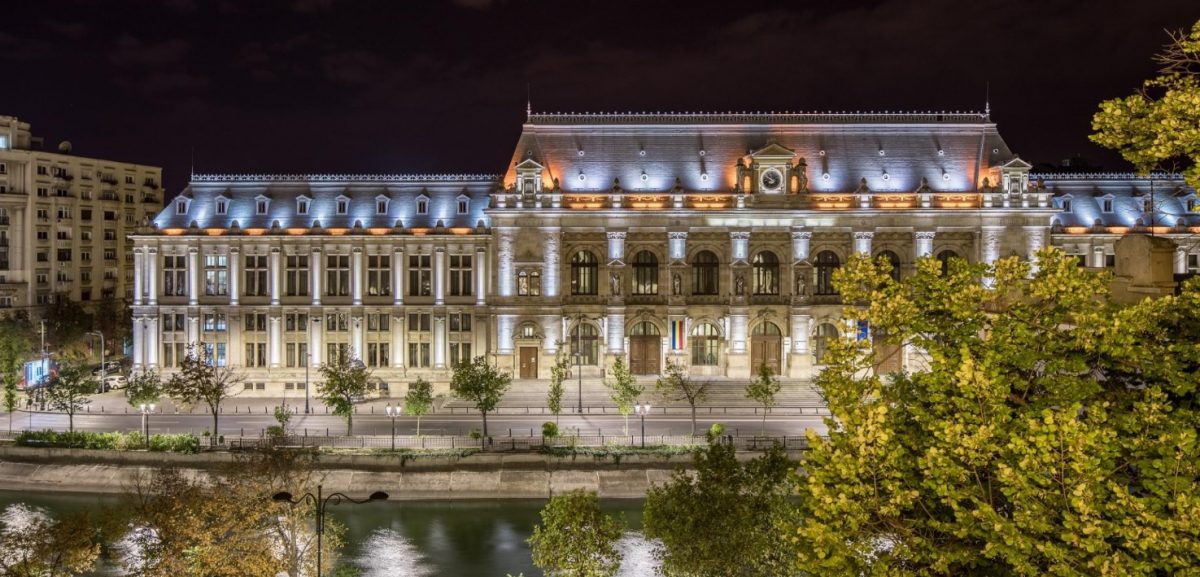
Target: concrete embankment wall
[480,476]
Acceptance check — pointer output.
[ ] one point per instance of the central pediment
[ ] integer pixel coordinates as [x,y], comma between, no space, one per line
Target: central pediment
[773,151]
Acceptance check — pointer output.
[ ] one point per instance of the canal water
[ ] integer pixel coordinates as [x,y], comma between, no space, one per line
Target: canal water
[420,539]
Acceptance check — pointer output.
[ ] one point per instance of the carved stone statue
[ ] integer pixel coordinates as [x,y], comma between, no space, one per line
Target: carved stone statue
[739,285]
[801,284]
[615,279]
[801,171]
[675,285]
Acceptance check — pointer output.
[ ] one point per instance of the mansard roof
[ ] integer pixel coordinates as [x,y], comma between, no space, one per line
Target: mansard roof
[1166,194]
[586,152]
[442,191]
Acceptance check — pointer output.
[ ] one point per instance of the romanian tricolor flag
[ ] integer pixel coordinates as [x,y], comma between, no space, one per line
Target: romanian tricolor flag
[677,335]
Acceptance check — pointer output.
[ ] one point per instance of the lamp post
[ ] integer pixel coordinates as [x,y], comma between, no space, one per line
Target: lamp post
[321,502]
[308,361]
[146,410]
[642,411]
[103,371]
[393,412]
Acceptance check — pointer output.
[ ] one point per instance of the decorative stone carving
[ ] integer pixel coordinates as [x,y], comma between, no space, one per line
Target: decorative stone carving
[675,285]
[740,285]
[615,281]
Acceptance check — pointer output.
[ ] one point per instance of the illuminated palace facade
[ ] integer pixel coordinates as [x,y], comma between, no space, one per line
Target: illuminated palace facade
[703,239]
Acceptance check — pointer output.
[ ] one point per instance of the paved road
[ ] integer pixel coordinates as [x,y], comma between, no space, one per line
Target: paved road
[376,424]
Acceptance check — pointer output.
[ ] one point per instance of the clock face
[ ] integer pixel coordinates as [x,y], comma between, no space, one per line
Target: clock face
[771,179]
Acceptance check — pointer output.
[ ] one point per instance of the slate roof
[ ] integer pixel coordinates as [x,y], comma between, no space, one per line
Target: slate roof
[283,191]
[1167,194]
[847,147]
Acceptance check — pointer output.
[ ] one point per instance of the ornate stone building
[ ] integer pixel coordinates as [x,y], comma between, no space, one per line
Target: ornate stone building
[702,239]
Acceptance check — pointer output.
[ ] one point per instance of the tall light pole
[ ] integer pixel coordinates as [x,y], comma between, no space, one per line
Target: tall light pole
[146,410]
[579,359]
[103,372]
[393,412]
[642,411]
[45,371]
[321,502]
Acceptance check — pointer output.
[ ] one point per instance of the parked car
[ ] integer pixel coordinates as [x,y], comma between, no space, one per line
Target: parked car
[114,382]
[110,368]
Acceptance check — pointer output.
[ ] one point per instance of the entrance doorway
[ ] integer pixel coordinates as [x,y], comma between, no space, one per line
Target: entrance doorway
[765,344]
[529,362]
[645,348]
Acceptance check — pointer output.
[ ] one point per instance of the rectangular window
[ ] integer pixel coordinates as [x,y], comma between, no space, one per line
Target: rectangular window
[419,339]
[216,275]
[64,255]
[379,322]
[254,322]
[216,354]
[296,322]
[296,277]
[297,355]
[337,275]
[460,353]
[214,322]
[377,354]
[256,276]
[460,274]
[379,275]
[420,275]
[302,206]
[1107,206]
[175,276]
[337,322]
[418,354]
[462,207]
[64,212]
[256,354]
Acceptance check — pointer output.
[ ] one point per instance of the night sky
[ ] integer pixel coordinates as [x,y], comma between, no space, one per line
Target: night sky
[425,86]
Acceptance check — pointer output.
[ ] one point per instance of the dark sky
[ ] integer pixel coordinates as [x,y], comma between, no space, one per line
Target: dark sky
[422,86]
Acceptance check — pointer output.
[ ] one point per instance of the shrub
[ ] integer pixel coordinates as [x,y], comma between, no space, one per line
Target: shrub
[108,441]
[275,432]
[550,429]
[715,432]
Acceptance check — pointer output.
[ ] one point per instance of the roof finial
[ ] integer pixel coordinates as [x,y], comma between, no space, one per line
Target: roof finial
[528,103]
[987,100]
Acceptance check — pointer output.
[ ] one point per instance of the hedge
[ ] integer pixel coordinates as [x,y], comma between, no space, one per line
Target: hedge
[115,441]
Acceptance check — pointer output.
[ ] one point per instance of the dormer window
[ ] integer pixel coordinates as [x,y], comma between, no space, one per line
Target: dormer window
[1106,205]
[381,205]
[464,204]
[181,206]
[1191,205]
[1065,204]
[1147,206]
[222,206]
[260,204]
[422,205]
[343,205]
[302,206]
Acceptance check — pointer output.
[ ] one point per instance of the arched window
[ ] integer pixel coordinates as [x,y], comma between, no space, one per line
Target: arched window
[584,272]
[945,257]
[766,273]
[644,329]
[893,260]
[766,329]
[825,334]
[706,345]
[705,274]
[585,344]
[827,262]
[645,273]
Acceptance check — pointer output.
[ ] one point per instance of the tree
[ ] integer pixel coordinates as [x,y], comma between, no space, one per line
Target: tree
[728,518]
[66,321]
[344,380]
[623,389]
[677,386]
[1155,128]
[34,545]
[15,347]
[114,320]
[558,374]
[1053,433]
[201,378]
[145,387]
[480,383]
[763,389]
[576,538]
[69,388]
[418,400]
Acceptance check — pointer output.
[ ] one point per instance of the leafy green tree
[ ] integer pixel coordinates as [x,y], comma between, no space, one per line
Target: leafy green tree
[623,388]
[200,379]
[480,383]
[32,544]
[69,390]
[10,401]
[558,374]
[66,322]
[344,380]
[418,400]
[1155,128]
[115,321]
[144,387]
[678,386]
[729,518]
[576,538]
[762,390]
[15,347]
[1054,432]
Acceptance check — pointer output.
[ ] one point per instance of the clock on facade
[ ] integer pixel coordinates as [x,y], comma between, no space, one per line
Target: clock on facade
[771,180]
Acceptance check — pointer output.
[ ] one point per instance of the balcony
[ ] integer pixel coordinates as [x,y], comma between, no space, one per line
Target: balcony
[108,196]
[4,221]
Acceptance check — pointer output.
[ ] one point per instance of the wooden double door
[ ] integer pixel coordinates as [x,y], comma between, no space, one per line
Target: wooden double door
[644,354]
[529,362]
[765,345]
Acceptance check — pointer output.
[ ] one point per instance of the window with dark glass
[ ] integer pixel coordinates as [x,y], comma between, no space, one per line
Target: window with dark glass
[216,275]
[584,272]
[945,257]
[825,334]
[379,275]
[893,260]
[174,276]
[705,274]
[256,275]
[645,273]
[420,275]
[766,273]
[585,344]
[460,275]
[337,275]
[827,262]
[706,344]
[296,278]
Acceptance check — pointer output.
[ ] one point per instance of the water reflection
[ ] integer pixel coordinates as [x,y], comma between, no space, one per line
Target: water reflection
[638,555]
[386,553]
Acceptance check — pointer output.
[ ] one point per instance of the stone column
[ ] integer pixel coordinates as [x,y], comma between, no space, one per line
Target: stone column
[139,274]
[504,258]
[275,274]
[551,247]
[398,341]
[504,334]
[152,341]
[439,276]
[152,276]
[315,349]
[139,342]
[801,329]
[314,276]
[1035,239]
[923,240]
[235,283]
[737,332]
[193,327]
[398,263]
[274,341]
[357,274]
[356,337]
[193,276]
[1180,263]
[801,241]
[480,276]
[862,242]
[616,331]
[989,248]
[1098,257]
[439,341]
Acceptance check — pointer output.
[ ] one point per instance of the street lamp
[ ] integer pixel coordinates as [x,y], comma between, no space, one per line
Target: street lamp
[308,361]
[642,411]
[146,410]
[393,412]
[321,502]
[103,372]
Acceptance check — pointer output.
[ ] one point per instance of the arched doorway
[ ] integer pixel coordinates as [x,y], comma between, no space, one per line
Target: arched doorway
[645,348]
[765,343]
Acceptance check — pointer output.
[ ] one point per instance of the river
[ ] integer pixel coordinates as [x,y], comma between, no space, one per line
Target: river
[419,539]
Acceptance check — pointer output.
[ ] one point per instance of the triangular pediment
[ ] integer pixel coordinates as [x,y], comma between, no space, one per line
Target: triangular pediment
[529,164]
[1016,163]
[774,150]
